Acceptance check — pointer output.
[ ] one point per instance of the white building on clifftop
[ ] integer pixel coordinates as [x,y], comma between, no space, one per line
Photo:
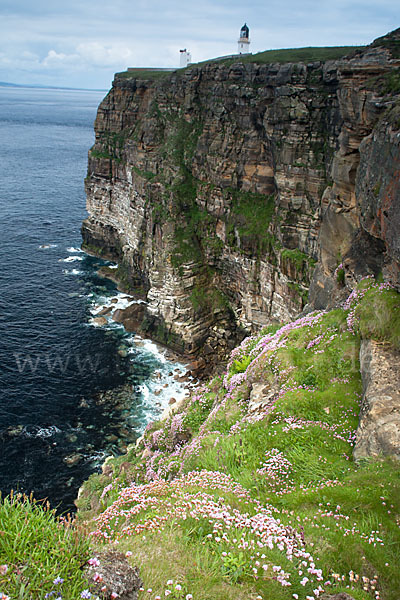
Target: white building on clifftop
[186,58]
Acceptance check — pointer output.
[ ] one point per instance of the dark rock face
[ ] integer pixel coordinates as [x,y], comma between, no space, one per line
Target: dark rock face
[378,432]
[378,188]
[219,188]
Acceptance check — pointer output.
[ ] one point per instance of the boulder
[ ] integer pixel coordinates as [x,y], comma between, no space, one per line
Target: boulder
[114,573]
[100,321]
[131,317]
[73,459]
[104,311]
[262,396]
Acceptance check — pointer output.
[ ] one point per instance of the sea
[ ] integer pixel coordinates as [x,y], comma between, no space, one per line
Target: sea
[71,392]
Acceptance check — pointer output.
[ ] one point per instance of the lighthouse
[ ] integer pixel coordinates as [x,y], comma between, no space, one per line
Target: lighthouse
[244,40]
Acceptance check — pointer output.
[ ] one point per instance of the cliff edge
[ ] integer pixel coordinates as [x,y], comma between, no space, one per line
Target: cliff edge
[235,193]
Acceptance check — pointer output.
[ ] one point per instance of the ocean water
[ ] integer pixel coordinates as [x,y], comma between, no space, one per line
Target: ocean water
[71,392]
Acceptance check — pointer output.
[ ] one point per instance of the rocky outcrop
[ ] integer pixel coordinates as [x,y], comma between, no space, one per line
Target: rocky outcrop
[378,432]
[218,188]
[110,576]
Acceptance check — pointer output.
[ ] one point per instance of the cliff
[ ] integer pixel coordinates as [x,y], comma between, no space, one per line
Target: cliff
[234,193]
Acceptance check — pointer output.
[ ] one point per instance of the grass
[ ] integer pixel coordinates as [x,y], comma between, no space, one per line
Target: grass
[142,74]
[299,259]
[308,54]
[377,316]
[36,549]
[293,55]
[251,216]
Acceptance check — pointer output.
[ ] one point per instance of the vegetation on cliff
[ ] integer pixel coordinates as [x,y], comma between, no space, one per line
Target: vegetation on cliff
[249,488]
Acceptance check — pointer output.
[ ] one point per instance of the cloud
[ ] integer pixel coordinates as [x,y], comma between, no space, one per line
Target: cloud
[79,43]
[96,54]
[54,59]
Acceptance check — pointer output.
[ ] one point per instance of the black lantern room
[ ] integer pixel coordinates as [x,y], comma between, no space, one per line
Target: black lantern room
[244,32]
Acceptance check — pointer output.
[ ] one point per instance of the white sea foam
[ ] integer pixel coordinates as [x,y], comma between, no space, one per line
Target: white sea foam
[71,259]
[72,272]
[154,349]
[47,246]
[145,391]
[97,457]
[72,249]
[118,301]
[42,432]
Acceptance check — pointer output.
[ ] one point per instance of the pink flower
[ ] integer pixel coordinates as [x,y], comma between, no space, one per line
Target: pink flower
[94,562]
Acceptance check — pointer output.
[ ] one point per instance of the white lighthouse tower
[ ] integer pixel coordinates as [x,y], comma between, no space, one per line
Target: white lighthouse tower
[244,41]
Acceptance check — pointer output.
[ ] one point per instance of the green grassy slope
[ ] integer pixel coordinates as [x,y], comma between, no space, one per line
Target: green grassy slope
[237,500]
[249,490]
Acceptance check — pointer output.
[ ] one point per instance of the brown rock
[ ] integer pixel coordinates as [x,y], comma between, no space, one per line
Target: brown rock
[107,470]
[146,453]
[378,432]
[73,459]
[116,574]
[104,311]
[99,321]
[131,317]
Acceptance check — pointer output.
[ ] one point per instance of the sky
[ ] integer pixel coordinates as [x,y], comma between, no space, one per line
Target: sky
[77,43]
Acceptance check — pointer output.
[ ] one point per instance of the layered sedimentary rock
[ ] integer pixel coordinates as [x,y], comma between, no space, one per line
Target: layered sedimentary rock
[378,433]
[225,190]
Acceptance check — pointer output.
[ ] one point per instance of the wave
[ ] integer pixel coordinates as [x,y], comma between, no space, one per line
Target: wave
[36,431]
[72,272]
[73,249]
[71,259]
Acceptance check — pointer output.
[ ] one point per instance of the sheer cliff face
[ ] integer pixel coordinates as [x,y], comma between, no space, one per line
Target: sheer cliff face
[220,188]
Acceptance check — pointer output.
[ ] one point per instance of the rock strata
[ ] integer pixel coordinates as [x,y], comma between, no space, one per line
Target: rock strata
[378,432]
[227,192]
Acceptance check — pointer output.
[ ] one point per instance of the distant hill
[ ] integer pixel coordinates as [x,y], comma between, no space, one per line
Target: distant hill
[46,87]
